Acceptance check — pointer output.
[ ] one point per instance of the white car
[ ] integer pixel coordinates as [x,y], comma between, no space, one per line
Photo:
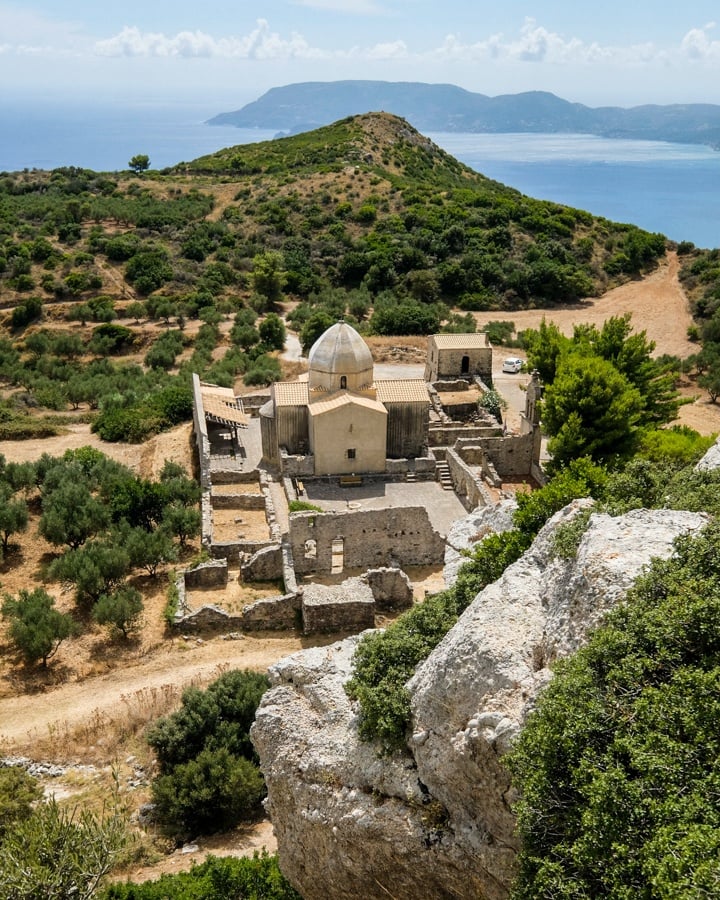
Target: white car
[513,364]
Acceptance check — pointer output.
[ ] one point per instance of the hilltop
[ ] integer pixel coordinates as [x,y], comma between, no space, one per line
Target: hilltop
[446,107]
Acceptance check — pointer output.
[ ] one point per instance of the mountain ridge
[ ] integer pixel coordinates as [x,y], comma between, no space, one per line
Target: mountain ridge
[303,106]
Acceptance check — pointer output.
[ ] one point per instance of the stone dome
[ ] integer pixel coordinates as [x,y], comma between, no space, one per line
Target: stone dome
[340,359]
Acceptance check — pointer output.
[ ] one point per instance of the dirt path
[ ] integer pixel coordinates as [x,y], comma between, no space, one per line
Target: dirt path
[63,707]
[658,306]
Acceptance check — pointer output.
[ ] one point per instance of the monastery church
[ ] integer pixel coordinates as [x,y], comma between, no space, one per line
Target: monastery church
[339,417]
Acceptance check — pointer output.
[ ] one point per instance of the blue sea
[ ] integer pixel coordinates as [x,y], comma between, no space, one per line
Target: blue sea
[670,188]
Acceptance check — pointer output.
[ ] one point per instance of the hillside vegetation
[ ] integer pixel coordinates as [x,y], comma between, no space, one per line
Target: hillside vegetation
[113,284]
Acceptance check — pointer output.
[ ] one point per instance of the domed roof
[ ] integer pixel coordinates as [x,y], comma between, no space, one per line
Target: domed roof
[340,351]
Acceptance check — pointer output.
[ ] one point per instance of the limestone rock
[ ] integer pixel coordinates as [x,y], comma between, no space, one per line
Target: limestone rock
[471,529]
[711,460]
[437,821]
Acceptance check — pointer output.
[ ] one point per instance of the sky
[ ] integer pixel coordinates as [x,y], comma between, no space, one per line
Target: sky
[225,54]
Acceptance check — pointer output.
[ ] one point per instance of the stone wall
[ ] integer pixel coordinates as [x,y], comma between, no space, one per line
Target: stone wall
[209,618]
[272,613]
[265,564]
[391,589]
[446,435]
[229,475]
[511,455]
[467,483]
[207,575]
[327,609]
[370,538]
[296,466]
[237,501]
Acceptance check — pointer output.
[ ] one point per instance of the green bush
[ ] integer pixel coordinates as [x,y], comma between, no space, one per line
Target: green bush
[18,794]
[28,311]
[617,768]
[258,878]
[303,506]
[211,792]
[54,854]
[209,779]
[36,628]
[220,716]
[384,661]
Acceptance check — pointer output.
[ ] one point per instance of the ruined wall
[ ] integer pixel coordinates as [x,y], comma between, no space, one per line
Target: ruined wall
[391,589]
[371,538]
[511,455]
[272,613]
[296,466]
[265,564]
[446,435]
[206,575]
[349,606]
[237,501]
[467,483]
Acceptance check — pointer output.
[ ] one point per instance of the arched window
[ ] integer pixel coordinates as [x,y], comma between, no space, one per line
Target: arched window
[465,365]
[343,382]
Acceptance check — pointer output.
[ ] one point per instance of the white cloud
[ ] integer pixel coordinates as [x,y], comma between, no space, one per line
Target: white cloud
[260,43]
[535,44]
[532,45]
[697,45]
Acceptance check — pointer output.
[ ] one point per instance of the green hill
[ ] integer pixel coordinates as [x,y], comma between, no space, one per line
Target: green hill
[365,218]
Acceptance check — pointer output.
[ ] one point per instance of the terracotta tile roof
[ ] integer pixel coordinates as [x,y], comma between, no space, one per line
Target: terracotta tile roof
[343,398]
[402,390]
[219,410]
[458,341]
[290,393]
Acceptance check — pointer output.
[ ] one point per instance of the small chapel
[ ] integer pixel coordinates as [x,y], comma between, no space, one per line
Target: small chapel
[338,417]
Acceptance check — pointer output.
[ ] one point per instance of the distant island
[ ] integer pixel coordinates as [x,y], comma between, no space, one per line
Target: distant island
[296,108]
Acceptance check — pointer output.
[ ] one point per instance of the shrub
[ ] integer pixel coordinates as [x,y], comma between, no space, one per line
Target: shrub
[258,878]
[121,610]
[28,311]
[57,854]
[617,767]
[36,628]
[303,506]
[220,716]
[209,793]
[18,794]
[209,777]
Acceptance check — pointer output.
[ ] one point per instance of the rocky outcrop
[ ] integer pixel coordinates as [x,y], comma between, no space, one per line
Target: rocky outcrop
[466,532]
[711,460]
[437,820]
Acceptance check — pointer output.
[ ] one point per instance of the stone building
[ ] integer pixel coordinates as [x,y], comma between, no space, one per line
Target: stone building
[453,356]
[338,417]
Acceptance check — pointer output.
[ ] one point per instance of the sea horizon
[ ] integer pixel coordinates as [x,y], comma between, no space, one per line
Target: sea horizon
[664,187]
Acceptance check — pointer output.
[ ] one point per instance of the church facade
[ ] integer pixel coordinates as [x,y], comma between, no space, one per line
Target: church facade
[338,417]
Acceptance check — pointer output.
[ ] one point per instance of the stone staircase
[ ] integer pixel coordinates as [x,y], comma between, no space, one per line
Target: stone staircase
[442,474]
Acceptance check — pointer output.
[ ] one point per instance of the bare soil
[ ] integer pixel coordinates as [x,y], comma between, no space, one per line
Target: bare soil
[98,693]
[658,305]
